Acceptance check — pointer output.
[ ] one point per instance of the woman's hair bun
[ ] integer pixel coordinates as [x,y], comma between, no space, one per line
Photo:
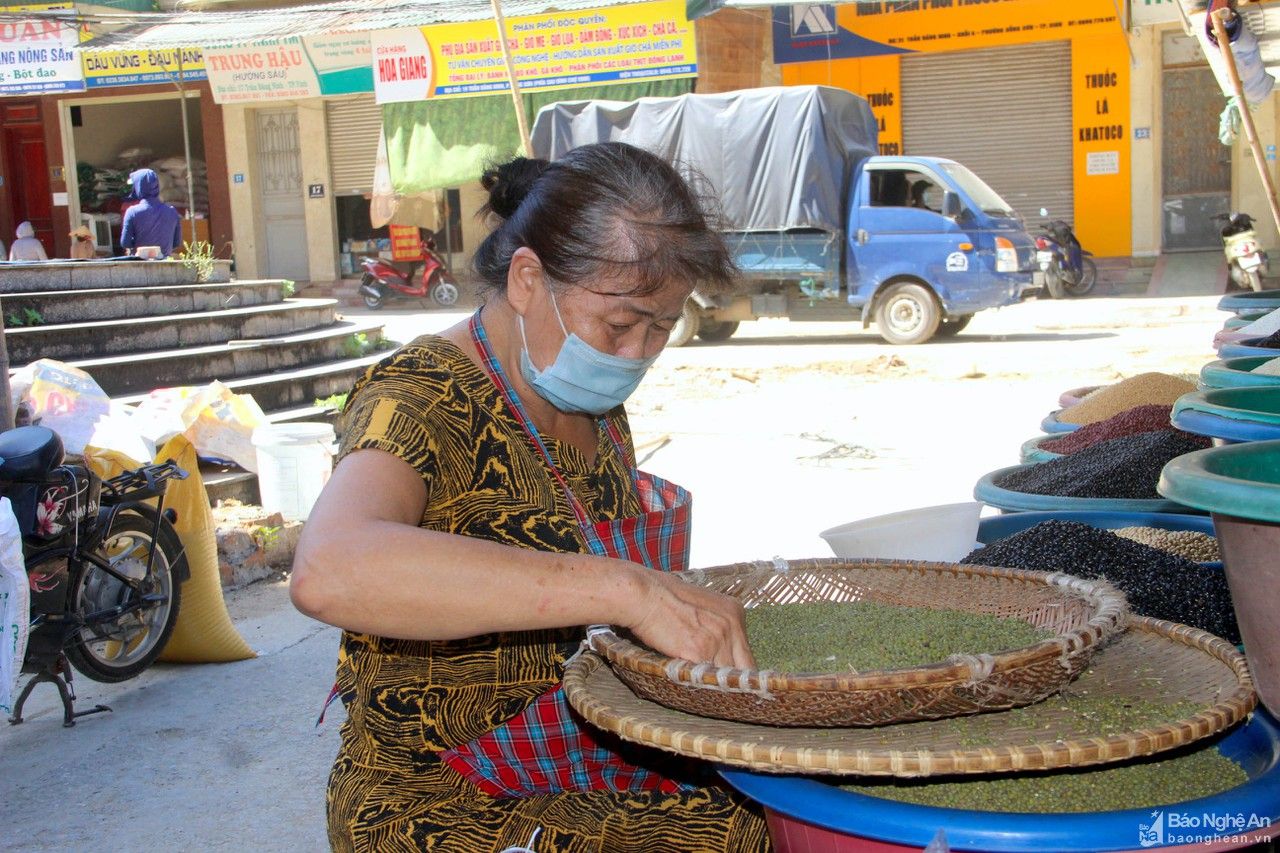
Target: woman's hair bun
[509,183]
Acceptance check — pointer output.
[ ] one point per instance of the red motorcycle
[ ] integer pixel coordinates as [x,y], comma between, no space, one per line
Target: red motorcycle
[383,280]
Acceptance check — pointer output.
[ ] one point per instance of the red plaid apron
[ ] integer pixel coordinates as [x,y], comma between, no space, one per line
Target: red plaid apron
[546,749]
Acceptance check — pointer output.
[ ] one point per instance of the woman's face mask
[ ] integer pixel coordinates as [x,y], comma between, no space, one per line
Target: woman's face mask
[582,379]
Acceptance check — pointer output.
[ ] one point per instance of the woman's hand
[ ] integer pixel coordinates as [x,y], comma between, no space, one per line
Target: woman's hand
[687,621]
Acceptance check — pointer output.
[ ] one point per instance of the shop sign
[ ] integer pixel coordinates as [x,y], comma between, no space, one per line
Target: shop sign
[807,32]
[558,50]
[337,64]
[406,243]
[135,67]
[38,56]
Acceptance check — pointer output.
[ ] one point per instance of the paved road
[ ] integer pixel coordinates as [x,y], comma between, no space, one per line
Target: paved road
[781,432]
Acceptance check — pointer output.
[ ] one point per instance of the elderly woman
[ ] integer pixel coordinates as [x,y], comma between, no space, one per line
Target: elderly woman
[487,505]
[27,247]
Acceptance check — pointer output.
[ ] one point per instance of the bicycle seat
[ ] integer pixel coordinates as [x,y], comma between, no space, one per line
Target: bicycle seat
[29,453]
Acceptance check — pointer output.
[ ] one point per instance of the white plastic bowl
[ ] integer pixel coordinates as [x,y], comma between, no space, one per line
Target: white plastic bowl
[942,534]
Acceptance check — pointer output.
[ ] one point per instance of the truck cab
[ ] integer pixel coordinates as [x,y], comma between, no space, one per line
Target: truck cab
[928,244]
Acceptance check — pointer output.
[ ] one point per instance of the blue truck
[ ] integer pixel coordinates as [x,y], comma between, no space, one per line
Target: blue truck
[821,227]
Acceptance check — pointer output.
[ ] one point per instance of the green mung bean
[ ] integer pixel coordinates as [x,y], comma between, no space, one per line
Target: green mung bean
[1137,785]
[830,637]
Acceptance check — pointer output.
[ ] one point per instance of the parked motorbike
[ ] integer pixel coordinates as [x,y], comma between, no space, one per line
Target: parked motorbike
[1069,270]
[1246,262]
[105,568]
[382,280]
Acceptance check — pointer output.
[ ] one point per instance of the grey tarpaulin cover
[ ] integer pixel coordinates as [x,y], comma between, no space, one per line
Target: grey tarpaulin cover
[776,157]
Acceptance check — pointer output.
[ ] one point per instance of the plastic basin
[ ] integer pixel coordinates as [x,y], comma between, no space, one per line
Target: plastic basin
[1259,302]
[998,527]
[1031,452]
[1075,395]
[1236,373]
[807,816]
[1246,347]
[937,533]
[1010,501]
[1230,414]
[1240,485]
[1053,425]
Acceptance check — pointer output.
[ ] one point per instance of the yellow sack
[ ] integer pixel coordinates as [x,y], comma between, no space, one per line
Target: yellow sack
[204,632]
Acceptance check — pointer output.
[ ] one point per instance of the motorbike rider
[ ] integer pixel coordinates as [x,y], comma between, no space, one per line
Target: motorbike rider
[150,222]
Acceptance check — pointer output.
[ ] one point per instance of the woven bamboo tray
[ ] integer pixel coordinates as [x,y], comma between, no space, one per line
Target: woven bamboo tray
[1153,661]
[1081,614]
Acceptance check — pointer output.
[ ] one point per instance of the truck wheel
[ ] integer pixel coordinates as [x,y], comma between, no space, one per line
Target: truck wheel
[953,326]
[710,330]
[686,327]
[907,313]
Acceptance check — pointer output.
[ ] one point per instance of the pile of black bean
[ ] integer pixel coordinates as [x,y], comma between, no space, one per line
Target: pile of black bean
[1157,584]
[1124,467]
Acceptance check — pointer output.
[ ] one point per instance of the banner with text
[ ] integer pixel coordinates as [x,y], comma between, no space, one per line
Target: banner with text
[808,32]
[139,67]
[336,64]
[38,56]
[558,50]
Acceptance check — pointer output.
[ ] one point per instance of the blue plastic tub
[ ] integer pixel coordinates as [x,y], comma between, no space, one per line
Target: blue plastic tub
[1053,425]
[1031,452]
[1010,501]
[1255,301]
[1246,348]
[996,527]
[832,814]
[1231,415]
[1237,373]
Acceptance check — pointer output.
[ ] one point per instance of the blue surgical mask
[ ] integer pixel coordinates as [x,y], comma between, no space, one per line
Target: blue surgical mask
[582,379]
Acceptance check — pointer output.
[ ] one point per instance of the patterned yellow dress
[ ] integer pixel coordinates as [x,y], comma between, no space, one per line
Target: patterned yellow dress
[407,701]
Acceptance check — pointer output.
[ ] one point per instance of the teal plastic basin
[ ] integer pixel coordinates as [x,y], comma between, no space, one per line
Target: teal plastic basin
[1246,348]
[1051,424]
[1010,501]
[1255,301]
[1231,414]
[1238,479]
[1031,452]
[1236,373]
[1240,485]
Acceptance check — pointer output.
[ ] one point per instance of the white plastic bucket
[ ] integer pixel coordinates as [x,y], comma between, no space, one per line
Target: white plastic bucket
[294,462]
[935,533]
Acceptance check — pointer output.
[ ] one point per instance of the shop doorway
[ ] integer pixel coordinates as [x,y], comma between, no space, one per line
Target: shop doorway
[1196,166]
[280,179]
[110,139]
[24,195]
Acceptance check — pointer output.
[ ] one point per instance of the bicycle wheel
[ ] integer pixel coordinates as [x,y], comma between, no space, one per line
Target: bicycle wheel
[118,647]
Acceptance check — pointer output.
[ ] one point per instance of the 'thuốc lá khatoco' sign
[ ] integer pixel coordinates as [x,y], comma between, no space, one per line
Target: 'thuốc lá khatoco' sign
[335,64]
[38,55]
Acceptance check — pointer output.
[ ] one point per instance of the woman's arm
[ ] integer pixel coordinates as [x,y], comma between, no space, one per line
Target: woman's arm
[364,564]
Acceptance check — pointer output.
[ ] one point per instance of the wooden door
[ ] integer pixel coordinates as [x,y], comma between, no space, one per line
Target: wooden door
[26,177]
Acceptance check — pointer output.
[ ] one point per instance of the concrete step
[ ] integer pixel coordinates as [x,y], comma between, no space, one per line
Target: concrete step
[92,275]
[139,373]
[70,341]
[291,389]
[82,306]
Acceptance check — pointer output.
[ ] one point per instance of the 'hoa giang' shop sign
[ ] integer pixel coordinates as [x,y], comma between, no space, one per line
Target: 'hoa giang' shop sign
[134,67]
[336,64]
[38,55]
[557,50]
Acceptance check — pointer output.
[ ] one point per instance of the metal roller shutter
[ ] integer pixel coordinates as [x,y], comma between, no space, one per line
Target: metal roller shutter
[1003,112]
[353,127]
